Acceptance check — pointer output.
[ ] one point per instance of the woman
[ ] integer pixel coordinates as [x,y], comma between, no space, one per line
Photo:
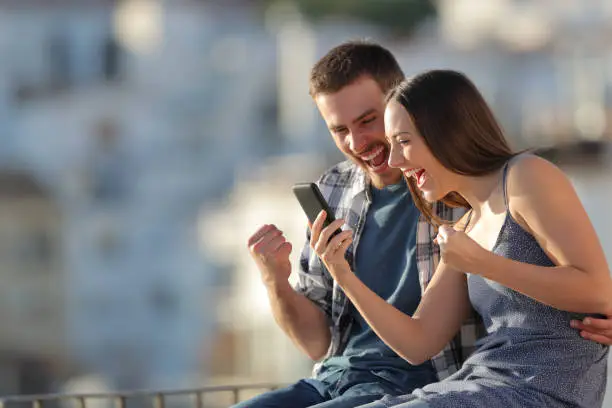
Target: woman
[525,256]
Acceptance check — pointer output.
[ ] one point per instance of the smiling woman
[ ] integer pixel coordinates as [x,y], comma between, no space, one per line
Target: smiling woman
[527,265]
[453,120]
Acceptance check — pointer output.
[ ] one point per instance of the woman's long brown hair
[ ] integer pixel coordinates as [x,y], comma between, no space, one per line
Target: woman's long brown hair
[457,126]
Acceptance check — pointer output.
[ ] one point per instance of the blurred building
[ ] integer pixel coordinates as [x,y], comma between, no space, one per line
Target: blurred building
[544,66]
[127,113]
[32,313]
[253,343]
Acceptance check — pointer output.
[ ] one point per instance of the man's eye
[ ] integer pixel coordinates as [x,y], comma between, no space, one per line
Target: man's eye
[369,120]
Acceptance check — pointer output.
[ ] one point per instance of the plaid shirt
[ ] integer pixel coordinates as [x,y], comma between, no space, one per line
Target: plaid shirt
[346,190]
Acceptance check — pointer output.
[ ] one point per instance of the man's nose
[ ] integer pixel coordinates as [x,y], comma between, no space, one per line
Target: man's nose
[357,141]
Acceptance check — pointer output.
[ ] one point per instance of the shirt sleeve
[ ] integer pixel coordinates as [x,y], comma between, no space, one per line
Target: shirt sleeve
[314,281]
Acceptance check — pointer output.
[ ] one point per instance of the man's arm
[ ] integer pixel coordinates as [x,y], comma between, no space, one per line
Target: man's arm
[304,323]
[301,319]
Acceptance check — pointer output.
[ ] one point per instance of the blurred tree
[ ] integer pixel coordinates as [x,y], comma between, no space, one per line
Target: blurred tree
[399,16]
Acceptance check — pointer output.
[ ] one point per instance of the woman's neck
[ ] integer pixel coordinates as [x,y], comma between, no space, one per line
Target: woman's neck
[477,190]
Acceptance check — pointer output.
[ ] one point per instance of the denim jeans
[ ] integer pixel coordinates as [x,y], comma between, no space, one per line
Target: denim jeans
[384,403]
[348,389]
[304,395]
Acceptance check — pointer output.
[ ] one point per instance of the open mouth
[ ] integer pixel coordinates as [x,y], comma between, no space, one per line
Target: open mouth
[376,159]
[419,175]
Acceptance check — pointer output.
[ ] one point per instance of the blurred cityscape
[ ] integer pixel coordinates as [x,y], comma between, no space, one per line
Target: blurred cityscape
[143,141]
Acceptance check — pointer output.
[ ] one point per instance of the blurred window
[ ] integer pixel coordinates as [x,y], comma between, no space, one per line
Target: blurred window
[36,249]
[112,59]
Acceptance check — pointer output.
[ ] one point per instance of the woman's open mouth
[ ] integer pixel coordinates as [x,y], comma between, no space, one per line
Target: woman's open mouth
[420,175]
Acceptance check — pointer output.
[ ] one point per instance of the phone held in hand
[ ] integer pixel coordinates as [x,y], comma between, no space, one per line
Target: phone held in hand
[310,198]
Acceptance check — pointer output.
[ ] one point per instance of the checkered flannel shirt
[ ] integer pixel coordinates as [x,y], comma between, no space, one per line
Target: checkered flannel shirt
[346,189]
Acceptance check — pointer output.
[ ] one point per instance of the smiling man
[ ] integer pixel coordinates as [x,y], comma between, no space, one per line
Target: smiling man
[354,367]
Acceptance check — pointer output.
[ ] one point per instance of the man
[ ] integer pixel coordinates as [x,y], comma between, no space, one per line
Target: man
[392,250]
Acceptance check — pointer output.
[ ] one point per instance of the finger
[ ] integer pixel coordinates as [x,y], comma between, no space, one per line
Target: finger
[258,234]
[337,247]
[344,245]
[276,243]
[330,230]
[441,235]
[323,243]
[577,324]
[262,246]
[336,241]
[597,324]
[272,245]
[317,226]
[284,250]
[597,338]
[445,231]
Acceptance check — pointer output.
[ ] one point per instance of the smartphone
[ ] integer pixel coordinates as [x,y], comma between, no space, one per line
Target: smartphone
[312,202]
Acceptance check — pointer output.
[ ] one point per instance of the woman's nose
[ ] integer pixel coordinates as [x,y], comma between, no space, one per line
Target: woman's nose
[395,157]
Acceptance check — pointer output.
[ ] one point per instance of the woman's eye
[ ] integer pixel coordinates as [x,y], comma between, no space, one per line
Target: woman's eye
[403,142]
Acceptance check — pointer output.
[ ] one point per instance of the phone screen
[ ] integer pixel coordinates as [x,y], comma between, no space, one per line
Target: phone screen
[312,202]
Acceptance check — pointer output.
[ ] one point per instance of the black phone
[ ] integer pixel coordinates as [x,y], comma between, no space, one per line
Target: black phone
[312,202]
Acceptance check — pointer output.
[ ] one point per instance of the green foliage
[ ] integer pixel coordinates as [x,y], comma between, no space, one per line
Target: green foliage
[399,16]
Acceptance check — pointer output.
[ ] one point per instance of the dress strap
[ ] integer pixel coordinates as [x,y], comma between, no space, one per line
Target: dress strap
[504,184]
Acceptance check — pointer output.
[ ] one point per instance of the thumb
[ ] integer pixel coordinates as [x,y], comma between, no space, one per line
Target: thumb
[445,231]
[285,249]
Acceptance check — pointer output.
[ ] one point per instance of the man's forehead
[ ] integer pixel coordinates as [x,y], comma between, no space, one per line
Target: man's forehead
[338,111]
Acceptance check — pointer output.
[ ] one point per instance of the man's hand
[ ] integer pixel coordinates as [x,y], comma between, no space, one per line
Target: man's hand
[302,320]
[271,251]
[598,330]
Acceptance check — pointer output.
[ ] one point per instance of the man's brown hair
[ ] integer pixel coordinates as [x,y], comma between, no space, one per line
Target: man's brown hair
[347,62]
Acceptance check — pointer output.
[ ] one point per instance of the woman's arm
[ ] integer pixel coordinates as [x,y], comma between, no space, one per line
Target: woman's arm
[444,305]
[542,199]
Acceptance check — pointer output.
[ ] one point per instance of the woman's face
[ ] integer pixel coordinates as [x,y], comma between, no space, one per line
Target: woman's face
[410,154]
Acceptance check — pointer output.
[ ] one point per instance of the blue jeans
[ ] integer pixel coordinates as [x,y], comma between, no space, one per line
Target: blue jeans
[384,403]
[304,395]
[348,389]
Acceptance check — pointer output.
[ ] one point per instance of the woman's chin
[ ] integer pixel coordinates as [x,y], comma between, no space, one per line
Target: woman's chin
[431,196]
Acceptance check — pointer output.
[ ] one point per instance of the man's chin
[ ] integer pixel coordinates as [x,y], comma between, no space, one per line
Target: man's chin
[379,179]
[387,178]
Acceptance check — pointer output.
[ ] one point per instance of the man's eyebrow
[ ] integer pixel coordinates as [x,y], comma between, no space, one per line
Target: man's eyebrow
[357,119]
[364,114]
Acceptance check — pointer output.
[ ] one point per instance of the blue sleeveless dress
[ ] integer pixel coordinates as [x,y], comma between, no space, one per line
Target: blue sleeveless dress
[530,357]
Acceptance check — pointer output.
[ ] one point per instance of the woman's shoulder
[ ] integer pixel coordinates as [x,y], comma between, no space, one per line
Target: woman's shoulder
[528,172]
[534,185]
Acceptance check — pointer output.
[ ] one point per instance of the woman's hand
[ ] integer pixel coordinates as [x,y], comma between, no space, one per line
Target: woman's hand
[460,251]
[331,251]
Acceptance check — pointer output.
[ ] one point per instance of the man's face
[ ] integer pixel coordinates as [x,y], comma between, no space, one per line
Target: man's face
[355,118]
